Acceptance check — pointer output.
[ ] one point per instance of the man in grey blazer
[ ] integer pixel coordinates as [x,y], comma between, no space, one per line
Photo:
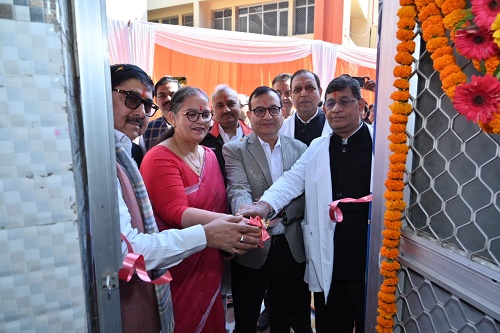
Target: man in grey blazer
[252,165]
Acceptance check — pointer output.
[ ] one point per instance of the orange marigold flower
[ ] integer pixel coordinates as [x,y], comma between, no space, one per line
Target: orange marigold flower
[394,185]
[398,118]
[394,195]
[397,167]
[391,281]
[433,31]
[407,11]
[404,58]
[451,20]
[491,65]
[397,128]
[402,95]
[400,108]
[387,273]
[393,215]
[406,2]
[393,225]
[388,289]
[493,126]
[399,148]
[440,3]
[403,34]
[448,70]
[450,5]
[395,175]
[442,51]
[407,23]
[407,45]
[436,43]
[395,205]
[454,79]
[402,83]
[390,265]
[397,138]
[388,307]
[390,242]
[390,234]
[421,3]
[402,71]
[443,61]
[389,253]
[388,298]
[385,322]
[429,10]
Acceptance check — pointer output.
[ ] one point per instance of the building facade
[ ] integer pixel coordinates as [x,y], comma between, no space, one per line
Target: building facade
[350,22]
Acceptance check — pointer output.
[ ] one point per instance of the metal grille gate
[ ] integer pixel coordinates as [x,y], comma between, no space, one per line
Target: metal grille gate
[450,250]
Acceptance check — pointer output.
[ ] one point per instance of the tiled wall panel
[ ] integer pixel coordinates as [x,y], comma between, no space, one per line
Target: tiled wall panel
[41,284]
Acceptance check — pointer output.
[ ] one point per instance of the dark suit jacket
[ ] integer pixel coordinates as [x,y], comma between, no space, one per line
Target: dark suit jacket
[248,176]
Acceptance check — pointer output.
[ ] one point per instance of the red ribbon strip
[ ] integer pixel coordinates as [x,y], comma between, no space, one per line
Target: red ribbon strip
[256,221]
[134,261]
[335,212]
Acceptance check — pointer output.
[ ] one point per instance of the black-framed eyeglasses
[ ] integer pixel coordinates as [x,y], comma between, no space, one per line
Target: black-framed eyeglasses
[193,116]
[133,101]
[344,102]
[261,112]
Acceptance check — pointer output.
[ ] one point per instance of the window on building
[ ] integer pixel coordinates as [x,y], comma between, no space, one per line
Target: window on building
[304,17]
[222,19]
[268,19]
[188,20]
[168,20]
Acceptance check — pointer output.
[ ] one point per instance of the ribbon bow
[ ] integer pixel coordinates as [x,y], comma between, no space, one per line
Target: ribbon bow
[136,261]
[257,221]
[335,212]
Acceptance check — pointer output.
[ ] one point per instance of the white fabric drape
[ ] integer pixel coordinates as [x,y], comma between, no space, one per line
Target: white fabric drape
[118,40]
[142,45]
[229,46]
[324,59]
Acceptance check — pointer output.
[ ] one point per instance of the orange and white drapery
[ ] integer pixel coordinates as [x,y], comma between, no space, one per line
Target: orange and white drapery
[208,57]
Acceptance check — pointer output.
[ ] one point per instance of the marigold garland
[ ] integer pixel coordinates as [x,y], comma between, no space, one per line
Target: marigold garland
[436,18]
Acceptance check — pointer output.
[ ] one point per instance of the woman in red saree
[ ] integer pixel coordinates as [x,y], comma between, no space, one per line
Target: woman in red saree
[186,187]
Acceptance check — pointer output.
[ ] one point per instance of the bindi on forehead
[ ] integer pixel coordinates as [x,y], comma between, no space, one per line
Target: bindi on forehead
[201,108]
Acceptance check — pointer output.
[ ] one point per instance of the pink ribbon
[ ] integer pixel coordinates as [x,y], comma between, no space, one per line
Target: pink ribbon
[256,221]
[134,261]
[335,212]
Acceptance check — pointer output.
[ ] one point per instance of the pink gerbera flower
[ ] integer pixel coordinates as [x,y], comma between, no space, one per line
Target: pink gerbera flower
[479,99]
[475,43]
[485,12]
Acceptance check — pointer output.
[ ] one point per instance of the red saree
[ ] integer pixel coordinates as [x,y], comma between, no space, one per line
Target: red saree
[173,187]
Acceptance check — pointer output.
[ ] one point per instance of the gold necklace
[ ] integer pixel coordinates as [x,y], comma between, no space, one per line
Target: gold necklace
[198,153]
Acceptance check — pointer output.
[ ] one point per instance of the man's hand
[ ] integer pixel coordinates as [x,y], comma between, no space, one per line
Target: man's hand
[232,234]
[260,208]
[370,85]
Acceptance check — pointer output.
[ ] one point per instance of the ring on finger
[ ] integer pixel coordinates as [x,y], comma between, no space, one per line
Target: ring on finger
[241,239]
[235,252]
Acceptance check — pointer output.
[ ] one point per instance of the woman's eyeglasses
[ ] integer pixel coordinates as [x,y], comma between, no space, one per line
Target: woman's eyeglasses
[261,112]
[193,116]
[133,101]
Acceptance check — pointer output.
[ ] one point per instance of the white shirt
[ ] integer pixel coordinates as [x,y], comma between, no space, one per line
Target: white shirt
[160,250]
[225,136]
[275,162]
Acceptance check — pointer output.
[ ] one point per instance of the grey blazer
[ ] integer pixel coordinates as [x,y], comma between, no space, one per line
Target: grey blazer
[248,176]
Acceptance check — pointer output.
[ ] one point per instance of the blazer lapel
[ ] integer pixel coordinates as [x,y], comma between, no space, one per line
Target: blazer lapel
[255,149]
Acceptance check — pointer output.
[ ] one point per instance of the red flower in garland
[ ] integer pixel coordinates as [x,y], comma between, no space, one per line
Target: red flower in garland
[475,43]
[478,100]
[485,12]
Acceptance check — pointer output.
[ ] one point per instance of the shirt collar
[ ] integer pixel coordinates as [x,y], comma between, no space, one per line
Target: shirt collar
[263,143]
[310,119]
[125,141]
